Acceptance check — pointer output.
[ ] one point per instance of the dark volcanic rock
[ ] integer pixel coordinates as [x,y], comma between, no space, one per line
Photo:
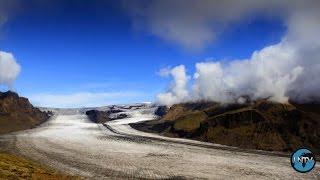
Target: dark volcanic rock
[98,116]
[16,113]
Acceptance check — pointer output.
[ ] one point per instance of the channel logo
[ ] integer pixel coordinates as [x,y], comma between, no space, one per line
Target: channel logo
[303,160]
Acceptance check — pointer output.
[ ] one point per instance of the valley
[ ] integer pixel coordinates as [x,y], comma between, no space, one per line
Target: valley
[70,142]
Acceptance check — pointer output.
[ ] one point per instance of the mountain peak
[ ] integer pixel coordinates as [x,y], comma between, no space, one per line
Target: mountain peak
[8,94]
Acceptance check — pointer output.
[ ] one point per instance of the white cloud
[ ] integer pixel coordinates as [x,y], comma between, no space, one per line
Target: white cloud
[83,99]
[178,89]
[268,73]
[9,69]
[286,70]
[194,24]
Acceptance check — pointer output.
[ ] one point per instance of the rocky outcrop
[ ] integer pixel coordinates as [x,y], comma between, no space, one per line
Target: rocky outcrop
[101,117]
[97,116]
[17,113]
[256,125]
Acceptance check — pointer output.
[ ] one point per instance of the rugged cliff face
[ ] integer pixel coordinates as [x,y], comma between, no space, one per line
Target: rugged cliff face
[256,125]
[16,113]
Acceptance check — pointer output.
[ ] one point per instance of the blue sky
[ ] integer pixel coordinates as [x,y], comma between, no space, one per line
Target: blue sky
[77,47]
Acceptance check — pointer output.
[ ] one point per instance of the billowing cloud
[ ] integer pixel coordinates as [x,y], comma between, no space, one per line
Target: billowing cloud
[9,69]
[286,70]
[83,99]
[268,73]
[178,89]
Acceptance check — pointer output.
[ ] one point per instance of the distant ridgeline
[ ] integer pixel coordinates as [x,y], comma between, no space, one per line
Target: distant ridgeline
[258,124]
[17,113]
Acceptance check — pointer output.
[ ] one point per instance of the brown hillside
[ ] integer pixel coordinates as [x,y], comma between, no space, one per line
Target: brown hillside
[16,113]
[258,125]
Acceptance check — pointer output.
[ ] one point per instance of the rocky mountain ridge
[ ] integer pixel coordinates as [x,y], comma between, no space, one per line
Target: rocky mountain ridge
[17,113]
[259,124]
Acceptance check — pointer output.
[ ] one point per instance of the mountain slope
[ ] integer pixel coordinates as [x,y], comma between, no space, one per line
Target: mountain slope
[257,125]
[16,113]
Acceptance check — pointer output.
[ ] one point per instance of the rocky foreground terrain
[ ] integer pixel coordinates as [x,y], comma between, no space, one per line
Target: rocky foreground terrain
[261,124]
[17,113]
